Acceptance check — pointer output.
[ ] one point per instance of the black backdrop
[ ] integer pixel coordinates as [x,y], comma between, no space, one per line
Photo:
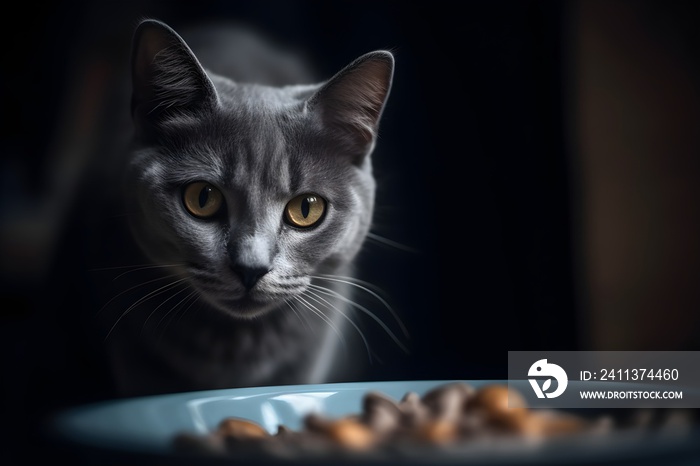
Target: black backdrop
[472,164]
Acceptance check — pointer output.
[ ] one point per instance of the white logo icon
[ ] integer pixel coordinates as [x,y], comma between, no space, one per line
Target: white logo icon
[543,368]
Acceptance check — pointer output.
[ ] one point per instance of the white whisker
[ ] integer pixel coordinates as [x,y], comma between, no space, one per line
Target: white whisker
[311,295]
[392,243]
[145,268]
[145,322]
[197,295]
[304,321]
[118,267]
[365,286]
[322,316]
[136,266]
[192,296]
[141,300]
[337,295]
[97,314]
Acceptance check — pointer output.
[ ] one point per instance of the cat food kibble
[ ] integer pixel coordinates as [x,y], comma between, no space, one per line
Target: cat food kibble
[241,429]
[380,413]
[450,414]
[448,401]
[438,432]
[498,401]
[351,434]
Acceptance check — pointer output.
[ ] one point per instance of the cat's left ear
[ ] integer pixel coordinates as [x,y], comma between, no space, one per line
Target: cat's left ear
[166,76]
[351,103]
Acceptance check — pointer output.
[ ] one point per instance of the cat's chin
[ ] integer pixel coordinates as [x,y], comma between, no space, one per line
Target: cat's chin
[245,308]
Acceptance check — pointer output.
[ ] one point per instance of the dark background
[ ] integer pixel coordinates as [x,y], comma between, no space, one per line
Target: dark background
[538,160]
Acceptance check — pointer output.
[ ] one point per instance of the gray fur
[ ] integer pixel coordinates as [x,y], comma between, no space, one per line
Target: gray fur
[261,146]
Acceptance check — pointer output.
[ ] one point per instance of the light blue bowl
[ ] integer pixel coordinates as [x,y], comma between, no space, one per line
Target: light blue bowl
[148,425]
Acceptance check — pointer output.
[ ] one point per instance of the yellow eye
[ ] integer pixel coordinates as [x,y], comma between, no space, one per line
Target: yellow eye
[305,210]
[202,199]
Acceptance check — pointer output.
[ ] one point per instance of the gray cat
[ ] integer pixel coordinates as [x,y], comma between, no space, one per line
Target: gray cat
[253,200]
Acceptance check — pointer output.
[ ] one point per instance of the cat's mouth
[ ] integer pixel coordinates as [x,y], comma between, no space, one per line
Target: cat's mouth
[242,303]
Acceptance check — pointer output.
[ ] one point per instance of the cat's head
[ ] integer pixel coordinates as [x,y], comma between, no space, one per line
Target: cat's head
[253,189]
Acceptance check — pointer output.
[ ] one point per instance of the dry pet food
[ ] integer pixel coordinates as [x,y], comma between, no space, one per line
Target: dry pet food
[450,415]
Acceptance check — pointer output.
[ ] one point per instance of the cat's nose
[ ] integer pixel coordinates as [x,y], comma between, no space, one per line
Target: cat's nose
[249,275]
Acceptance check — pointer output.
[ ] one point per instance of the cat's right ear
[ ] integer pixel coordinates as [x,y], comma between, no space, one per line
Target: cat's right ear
[167,78]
